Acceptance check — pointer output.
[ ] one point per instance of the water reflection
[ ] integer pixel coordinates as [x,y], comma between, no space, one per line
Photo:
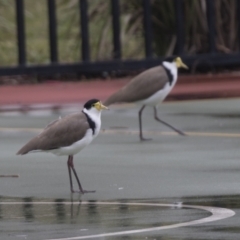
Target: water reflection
[122,211]
[27,209]
[78,218]
[60,209]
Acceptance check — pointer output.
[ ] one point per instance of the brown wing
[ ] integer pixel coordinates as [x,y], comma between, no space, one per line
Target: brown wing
[140,87]
[60,133]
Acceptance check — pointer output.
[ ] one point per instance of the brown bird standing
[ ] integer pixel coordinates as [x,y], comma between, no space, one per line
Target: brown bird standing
[68,136]
[150,88]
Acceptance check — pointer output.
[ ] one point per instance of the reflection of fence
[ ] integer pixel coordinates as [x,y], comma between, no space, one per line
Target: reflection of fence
[210,59]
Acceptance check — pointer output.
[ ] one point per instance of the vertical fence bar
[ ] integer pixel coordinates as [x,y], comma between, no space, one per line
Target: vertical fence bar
[116,29]
[52,31]
[179,26]
[20,32]
[238,22]
[147,27]
[211,25]
[84,29]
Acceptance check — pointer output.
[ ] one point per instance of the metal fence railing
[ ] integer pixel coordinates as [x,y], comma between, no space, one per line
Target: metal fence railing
[86,66]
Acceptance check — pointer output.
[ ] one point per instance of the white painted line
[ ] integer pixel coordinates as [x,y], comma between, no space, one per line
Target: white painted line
[217,214]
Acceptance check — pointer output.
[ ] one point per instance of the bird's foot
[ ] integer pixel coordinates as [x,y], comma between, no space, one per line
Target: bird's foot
[145,139]
[181,133]
[86,191]
[83,191]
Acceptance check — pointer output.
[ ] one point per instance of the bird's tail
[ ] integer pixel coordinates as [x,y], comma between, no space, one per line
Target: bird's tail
[30,146]
[22,151]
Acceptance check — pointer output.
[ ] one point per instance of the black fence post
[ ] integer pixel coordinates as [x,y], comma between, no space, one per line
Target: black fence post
[238,22]
[211,25]
[20,32]
[52,31]
[179,26]
[84,29]
[116,29]
[147,27]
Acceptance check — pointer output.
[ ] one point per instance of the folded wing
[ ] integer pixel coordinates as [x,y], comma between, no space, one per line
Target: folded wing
[60,133]
[141,87]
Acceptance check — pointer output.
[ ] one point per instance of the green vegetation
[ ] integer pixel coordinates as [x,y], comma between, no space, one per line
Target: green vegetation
[8,49]
[100,29]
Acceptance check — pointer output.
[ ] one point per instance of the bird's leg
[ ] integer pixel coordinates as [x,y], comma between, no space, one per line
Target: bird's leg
[78,181]
[167,124]
[140,125]
[69,163]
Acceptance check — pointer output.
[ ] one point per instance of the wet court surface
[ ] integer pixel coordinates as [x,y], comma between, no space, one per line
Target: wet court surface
[161,189]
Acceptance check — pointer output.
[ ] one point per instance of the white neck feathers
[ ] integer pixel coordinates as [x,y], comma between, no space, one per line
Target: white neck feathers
[95,115]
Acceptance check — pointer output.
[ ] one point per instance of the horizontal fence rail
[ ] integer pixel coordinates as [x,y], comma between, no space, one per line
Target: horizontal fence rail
[210,59]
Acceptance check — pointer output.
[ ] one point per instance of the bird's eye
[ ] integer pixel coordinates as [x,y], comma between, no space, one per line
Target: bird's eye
[93,105]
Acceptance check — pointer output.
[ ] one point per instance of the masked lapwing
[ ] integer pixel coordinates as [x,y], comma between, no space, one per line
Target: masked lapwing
[150,88]
[68,136]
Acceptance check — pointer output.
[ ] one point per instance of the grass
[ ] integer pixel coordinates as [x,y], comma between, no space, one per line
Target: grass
[68,32]
[8,49]
[100,29]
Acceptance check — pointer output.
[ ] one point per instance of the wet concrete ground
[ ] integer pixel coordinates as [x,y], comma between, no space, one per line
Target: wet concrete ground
[199,169]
